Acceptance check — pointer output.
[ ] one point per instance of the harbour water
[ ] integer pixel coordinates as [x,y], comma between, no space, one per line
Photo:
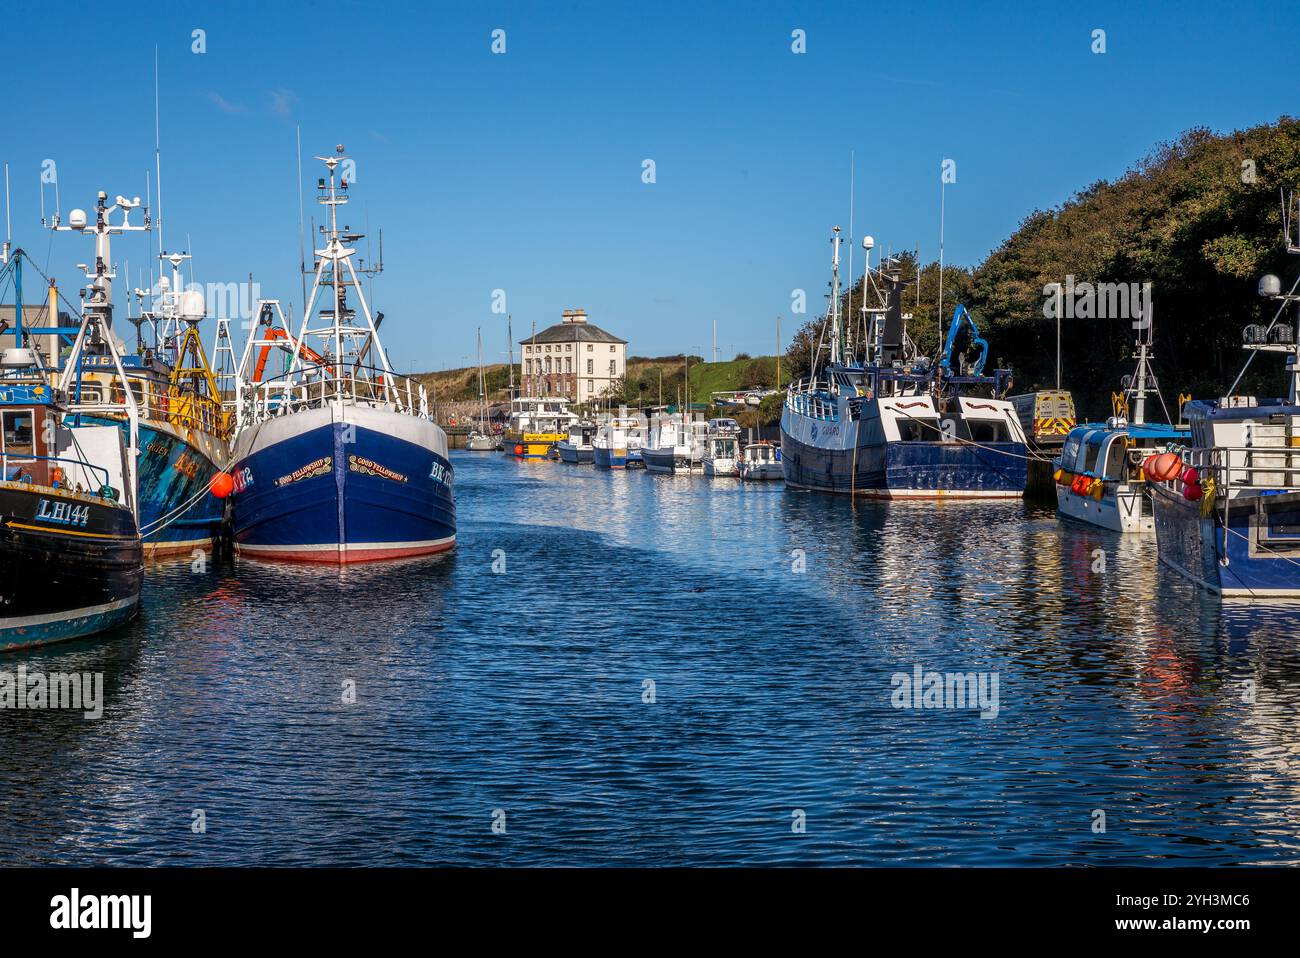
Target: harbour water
[771,624]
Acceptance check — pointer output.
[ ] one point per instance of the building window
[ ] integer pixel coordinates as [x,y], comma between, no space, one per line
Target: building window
[611,347]
[590,347]
[568,347]
[591,387]
[590,363]
[568,364]
[611,367]
[528,366]
[548,364]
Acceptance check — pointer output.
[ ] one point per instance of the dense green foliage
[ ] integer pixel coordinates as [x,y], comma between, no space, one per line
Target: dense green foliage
[1190,219]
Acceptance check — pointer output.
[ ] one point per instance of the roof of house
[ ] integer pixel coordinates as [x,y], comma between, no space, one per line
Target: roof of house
[573,329]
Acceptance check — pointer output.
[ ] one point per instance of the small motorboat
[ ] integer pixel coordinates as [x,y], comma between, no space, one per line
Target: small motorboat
[761,460]
[578,446]
[722,448]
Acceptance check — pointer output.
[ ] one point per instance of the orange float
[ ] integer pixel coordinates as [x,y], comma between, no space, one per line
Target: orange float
[222,485]
[1166,467]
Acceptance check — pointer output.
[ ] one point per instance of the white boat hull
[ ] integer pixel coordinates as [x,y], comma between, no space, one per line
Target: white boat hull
[1122,508]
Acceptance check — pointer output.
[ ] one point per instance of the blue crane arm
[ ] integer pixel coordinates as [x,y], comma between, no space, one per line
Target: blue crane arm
[959,317]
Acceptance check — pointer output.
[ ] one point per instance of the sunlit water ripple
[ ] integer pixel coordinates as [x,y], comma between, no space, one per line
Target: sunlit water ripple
[1121,689]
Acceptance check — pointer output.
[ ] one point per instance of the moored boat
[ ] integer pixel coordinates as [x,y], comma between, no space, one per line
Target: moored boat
[894,426]
[722,448]
[536,424]
[1098,474]
[183,430]
[618,441]
[337,459]
[675,444]
[577,446]
[1227,502]
[761,461]
[71,558]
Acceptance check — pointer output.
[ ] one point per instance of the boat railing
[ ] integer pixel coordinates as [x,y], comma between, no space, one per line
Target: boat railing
[179,407]
[811,398]
[1244,468]
[312,386]
[48,470]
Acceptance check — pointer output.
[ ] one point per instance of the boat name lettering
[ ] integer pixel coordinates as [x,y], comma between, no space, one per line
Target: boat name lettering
[157,447]
[63,513]
[438,473]
[318,467]
[371,468]
[243,478]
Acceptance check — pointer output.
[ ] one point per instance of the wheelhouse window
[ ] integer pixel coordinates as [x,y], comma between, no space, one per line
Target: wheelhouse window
[988,430]
[919,430]
[18,432]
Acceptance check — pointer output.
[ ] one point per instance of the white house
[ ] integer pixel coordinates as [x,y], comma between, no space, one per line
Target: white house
[574,359]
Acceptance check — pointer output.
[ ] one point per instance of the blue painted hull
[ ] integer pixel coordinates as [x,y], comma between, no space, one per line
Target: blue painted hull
[908,469]
[172,473]
[316,497]
[606,458]
[1256,554]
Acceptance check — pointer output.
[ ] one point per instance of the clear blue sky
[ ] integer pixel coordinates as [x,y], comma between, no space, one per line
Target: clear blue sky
[522,171]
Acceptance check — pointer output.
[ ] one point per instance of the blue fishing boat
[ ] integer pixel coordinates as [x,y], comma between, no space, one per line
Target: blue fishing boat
[894,425]
[1227,503]
[336,459]
[184,432]
[71,559]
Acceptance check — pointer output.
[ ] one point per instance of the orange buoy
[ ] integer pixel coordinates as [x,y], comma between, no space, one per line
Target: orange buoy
[1191,475]
[519,450]
[1059,476]
[1147,465]
[1192,491]
[222,485]
[1166,467]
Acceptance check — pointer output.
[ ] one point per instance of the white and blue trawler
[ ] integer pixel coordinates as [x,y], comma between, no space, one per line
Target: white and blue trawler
[336,459]
[1227,504]
[895,426]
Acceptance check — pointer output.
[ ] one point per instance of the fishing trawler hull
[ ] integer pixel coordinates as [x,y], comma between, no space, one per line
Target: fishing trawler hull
[342,485]
[1253,552]
[178,513]
[72,566]
[907,470]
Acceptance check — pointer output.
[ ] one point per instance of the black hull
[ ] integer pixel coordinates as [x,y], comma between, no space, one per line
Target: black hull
[70,566]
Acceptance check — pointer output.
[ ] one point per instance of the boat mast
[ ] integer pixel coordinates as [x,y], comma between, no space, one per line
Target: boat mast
[837,333]
[1139,387]
[482,395]
[510,353]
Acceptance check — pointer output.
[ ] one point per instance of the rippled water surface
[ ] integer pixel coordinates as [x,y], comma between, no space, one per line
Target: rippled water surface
[520,697]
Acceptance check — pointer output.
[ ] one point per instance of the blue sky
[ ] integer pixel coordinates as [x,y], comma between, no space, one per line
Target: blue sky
[523,171]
